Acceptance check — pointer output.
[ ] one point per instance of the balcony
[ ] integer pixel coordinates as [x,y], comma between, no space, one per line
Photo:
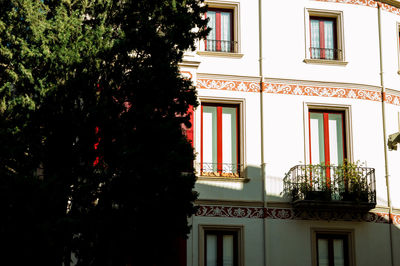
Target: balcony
[348,186]
[325,53]
[219,46]
[220,170]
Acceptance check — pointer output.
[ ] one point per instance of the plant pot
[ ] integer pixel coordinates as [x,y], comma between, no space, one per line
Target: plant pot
[357,196]
[318,195]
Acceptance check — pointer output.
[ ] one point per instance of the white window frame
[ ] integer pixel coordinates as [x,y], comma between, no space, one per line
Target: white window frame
[235,7]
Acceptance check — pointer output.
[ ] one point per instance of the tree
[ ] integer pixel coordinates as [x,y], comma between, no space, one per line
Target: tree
[94,159]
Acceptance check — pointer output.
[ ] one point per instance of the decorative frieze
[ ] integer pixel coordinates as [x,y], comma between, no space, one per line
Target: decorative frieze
[293,214]
[228,85]
[297,89]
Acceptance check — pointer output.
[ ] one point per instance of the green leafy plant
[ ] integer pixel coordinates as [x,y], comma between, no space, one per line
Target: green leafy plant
[348,182]
[354,181]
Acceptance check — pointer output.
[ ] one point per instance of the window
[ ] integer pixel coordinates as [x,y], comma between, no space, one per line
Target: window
[324,38]
[219,151]
[332,248]
[221,245]
[398,45]
[221,248]
[327,137]
[221,37]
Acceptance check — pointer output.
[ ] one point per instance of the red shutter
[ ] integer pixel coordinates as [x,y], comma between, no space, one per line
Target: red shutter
[189,133]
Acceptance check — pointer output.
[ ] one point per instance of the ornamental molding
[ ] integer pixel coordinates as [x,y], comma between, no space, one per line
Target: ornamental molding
[304,90]
[228,85]
[369,3]
[392,99]
[187,75]
[297,89]
[292,214]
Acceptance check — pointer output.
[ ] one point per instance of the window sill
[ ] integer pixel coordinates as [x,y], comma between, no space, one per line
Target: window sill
[226,179]
[325,62]
[220,54]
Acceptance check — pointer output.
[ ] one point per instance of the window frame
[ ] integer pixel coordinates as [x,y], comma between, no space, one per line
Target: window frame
[347,124]
[234,7]
[240,103]
[232,32]
[322,51]
[326,112]
[237,230]
[398,45]
[219,146]
[333,233]
[334,15]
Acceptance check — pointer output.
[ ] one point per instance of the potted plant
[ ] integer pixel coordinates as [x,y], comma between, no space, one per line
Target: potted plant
[314,186]
[354,182]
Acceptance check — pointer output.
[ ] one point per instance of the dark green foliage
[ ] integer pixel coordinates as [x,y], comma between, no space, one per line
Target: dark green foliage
[67,68]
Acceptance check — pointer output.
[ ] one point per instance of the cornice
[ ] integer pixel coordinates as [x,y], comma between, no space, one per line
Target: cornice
[189,63]
[391,6]
[228,77]
[238,203]
[394,3]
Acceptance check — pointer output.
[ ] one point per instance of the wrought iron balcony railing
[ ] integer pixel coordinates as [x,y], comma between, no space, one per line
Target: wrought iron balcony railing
[220,46]
[347,184]
[325,53]
[220,170]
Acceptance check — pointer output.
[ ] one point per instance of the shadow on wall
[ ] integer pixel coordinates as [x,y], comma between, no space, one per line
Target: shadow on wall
[252,191]
[247,189]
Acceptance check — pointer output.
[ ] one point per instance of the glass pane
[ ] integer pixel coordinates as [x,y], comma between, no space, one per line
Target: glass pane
[329,39]
[317,138]
[315,52]
[211,256]
[228,252]
[209,139]
[323,259]
[338,252]
[229,139]
[211,15]
[336,139]
[226,18]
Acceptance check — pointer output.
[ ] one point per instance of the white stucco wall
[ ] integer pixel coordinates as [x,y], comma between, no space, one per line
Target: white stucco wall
[285,129]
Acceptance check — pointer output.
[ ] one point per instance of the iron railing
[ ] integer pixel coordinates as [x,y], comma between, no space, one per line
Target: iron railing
[325,53]
[345,183]
[220,46]
[220,170]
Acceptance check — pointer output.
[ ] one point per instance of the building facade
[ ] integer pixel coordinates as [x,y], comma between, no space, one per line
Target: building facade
[297,102]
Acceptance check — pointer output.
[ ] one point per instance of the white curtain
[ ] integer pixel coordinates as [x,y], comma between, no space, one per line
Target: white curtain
[211,15]
[336,139]
[338,252]
[229,145]
[228,252]
[328,29]
[323,252]
[209,138]
[211,250]
[315,53]
[317,138]
[226,31]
